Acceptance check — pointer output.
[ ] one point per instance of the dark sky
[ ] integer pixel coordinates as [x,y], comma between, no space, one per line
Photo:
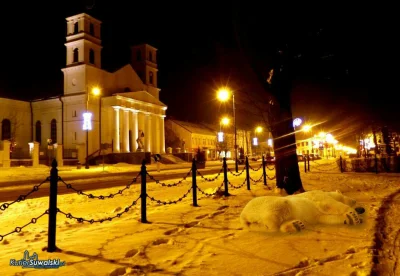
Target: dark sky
[348,55]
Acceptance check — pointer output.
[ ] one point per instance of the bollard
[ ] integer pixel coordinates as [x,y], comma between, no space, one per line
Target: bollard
[264,162]
[305,164]
[341,164]
[247,173]
[143,192]
[308,162]
[194,184]
[226,192]
[51,243]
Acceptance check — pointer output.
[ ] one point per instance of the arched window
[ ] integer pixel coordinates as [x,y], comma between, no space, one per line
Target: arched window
[76,55]
[53,131]
[138,55]
[91,29]
[38,132]
[5,129]
[151,77]
[91,56]
[76,28]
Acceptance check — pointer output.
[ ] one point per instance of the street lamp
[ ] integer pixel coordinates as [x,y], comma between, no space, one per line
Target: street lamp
[87,122]
[223,95]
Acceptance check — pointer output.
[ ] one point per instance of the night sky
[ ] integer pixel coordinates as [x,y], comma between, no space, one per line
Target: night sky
[347,57]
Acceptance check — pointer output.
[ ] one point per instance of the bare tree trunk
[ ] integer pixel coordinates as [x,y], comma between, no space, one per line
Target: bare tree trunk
[279,86]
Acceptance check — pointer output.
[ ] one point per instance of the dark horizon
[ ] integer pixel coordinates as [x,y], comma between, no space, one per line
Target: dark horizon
[346,71]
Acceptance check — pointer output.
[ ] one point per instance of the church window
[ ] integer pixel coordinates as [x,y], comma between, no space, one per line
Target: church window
[5,129]
[151,77]
[74,113]
[91,56]
[75,136]
[138,55]
[151,56]
[38,132]
[76,55]
[76,28]
[53,131]
[91,29]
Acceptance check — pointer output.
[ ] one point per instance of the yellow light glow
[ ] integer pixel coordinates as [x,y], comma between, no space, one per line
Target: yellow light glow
[223,94]
[96,91]
[322,134]
[306,128]
[225,121]
[259,129]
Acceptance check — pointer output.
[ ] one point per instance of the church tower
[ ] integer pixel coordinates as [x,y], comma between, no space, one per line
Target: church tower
[83,48]
[144,62]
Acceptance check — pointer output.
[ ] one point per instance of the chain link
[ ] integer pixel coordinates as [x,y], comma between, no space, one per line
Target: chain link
[271,169]
[19,229]
[171,201]
[236,174]
[91,221]
[210,179]
[271,178]
[4,206]
[207,194]
[80,192]
[259,180]
[255,169]
[237,187]
[169,185]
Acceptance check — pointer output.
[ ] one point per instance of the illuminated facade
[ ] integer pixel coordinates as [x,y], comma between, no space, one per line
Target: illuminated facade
[126,114]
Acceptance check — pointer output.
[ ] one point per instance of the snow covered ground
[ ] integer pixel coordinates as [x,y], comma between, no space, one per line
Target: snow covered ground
[206,240]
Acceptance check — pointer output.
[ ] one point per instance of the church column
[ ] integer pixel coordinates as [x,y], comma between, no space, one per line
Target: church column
[157,133]
[162,134]
[125,131]
[134,129]
[116,129]
[154,132]
[147,133]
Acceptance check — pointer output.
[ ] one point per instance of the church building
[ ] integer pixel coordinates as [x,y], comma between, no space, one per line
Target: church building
[119,112]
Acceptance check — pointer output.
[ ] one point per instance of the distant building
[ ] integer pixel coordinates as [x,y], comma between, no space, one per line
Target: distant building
[194,136]
[126,114]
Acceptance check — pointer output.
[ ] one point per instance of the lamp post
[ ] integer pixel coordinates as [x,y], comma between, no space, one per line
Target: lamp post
[87,122]
[223,95]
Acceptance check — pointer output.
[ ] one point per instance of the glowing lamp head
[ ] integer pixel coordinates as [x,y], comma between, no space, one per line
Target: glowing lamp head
[223,94]
[96,91]
[225,121]
[259,129]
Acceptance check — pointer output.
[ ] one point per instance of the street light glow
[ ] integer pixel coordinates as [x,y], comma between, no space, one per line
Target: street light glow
[96,91]
[259,129]
[306,128]
[223,94]
[225,121]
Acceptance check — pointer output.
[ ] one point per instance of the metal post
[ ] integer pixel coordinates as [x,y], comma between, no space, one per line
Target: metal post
[308,162]
[234,123]
[264,172]
[194,184]
[51,243]
[143,192]
[87,133]
[247,173]
[305,164]
[226,192]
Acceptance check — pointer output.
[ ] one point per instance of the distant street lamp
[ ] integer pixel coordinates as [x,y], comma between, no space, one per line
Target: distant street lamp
[87,122]
[223,95]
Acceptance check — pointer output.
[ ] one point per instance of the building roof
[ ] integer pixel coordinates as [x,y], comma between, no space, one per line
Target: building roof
[195,128]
